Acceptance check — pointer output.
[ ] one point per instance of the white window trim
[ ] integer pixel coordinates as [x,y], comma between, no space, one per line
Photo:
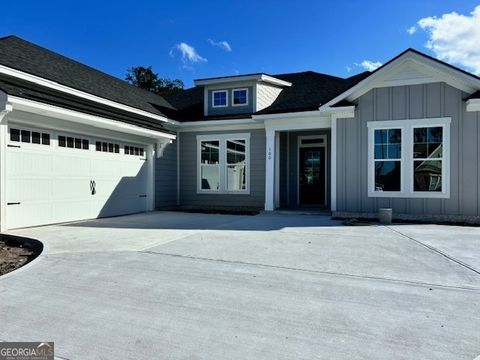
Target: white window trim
[222,162]
[213,98]
[246,96]
[406,181]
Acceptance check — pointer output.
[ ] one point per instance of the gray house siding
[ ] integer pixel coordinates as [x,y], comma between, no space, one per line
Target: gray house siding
[188,173]
[410,102]
[166,178]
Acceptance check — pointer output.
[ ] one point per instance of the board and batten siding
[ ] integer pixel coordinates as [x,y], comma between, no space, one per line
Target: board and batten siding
[166,178]
[188,173]
[410,102]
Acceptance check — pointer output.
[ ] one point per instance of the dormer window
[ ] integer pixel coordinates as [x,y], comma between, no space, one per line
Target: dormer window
[240,97]
[219,98]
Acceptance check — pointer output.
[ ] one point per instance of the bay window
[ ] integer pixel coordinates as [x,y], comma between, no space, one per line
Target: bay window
[409,158]
[223,163]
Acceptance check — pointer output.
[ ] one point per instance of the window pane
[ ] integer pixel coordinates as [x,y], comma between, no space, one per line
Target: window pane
[127,150]
[210,177]
[240,97]
[236,177]
[427,175]
[35,137]
[105,147]
[210,152]
[110,147]
[25,136]
[98,146]
[387,176]
[428,142]
[14,135]
[62,141]
[394,136]
[220,98]
[70,142]
[117,148]
[141,151]
[388,144]
[46,139]
[85,144]
[235,151]
[78,143]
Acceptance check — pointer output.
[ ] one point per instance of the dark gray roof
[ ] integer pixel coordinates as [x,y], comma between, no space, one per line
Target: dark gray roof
[22,55]
[309,90]
[28,90]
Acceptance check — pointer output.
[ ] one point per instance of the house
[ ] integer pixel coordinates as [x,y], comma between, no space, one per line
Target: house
[77,143]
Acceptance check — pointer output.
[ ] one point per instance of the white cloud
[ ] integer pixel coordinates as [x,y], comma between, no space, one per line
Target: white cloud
[188,53]
[412,30]
[348,68]
[224,45]
[455,38]
[369,65]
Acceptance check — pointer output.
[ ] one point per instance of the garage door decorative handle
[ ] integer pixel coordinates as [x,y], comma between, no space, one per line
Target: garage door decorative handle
[92,187]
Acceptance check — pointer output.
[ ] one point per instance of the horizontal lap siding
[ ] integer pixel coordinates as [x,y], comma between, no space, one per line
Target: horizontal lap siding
[188,173]
[166,178]
[410,102]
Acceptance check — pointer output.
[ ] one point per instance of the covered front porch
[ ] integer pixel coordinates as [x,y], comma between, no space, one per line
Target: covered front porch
[299,162]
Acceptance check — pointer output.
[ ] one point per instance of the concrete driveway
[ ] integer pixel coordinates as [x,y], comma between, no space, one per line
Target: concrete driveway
[170,285]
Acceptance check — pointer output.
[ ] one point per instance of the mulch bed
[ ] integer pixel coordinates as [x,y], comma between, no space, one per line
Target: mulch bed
[17,252]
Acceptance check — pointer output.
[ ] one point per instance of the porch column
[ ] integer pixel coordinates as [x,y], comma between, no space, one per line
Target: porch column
[270,170]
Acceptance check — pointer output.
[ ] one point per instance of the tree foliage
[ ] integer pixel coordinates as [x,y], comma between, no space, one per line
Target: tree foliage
[145,78]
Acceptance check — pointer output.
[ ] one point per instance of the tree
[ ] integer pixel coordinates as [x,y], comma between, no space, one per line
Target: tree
[145,78]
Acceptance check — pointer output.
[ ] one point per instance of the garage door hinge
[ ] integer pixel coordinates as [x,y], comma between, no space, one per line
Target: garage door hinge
[15,146]
[13,203]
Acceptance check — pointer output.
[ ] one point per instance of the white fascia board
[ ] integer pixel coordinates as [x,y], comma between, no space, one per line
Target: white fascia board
[85,119]
[262,117]
[234,79]
[473,105]
[439,72]
[66,89]
[341,112]
[219,125]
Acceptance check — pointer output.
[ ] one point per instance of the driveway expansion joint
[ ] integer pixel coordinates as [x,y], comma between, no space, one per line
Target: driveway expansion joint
[328,273]
[438,251]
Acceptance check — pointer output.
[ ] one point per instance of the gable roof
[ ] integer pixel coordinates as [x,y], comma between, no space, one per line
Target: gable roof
[453,75]
[308,91]
[27,57]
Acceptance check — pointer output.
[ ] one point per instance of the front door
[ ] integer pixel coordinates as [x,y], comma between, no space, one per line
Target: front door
[312,175]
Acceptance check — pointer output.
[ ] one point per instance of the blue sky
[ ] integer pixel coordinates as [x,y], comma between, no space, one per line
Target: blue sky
[197,39]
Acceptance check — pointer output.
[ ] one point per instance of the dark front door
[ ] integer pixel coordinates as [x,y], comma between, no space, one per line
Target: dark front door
[312,175]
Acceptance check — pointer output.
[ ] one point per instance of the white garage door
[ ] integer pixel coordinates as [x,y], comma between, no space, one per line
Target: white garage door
[56,177]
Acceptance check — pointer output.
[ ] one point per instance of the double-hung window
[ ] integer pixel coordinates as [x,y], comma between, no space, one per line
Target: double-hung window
[409,158]
[223,163]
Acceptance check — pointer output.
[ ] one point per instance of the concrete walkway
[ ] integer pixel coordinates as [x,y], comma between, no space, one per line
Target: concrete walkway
[176,286]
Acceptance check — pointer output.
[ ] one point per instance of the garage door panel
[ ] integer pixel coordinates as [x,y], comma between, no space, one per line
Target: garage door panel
[65,165]
[29,214]
[24,162]
[51,183]
[29,189]
[71,188]
[67,210]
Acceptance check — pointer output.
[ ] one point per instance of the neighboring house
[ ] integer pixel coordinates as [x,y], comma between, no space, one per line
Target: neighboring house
[77,143]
